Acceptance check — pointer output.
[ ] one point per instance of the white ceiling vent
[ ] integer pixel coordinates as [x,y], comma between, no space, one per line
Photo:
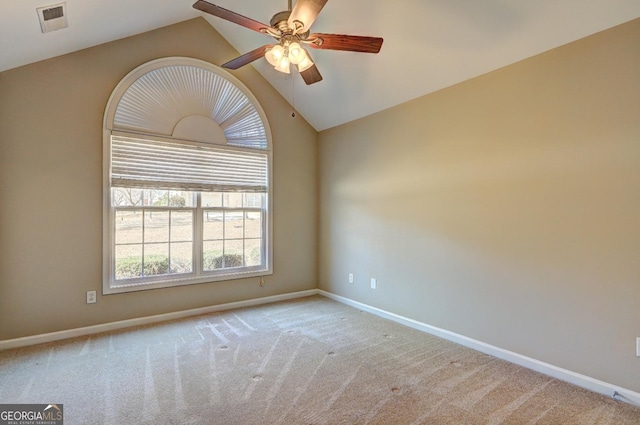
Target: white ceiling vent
[53,17]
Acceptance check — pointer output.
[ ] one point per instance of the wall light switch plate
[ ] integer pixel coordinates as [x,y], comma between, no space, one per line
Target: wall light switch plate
[91,297]
[638,346]
[374,283]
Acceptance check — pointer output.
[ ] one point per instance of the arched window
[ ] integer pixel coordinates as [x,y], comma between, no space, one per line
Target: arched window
[187,166]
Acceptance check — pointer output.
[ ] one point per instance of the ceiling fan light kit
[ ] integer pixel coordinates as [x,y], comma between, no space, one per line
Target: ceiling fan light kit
[290,28]
[281,56]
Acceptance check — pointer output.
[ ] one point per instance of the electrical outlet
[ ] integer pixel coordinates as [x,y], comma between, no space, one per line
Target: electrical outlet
[91,297]
[350,277]
[638,346]
[374,283]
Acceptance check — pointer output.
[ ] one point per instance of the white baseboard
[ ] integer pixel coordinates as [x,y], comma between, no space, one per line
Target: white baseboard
[89,330]
[587,382]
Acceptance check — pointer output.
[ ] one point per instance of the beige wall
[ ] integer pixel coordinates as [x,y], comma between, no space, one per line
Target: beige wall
[505,208]
[51,188]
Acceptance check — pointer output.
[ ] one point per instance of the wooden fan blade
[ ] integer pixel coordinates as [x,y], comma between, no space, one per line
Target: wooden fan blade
[311,75]
[230,16]
[352,43]
[305,12]
[247,57]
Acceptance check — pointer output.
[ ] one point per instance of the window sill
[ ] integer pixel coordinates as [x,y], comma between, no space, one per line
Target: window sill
[111,288]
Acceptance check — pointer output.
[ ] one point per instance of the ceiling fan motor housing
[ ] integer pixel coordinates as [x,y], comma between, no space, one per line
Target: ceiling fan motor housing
[280,21]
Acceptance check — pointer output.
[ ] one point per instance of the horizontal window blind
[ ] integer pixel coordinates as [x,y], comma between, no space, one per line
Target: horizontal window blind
[173,165]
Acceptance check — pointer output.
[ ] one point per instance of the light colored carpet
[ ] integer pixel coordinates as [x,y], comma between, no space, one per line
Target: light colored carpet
[306,361]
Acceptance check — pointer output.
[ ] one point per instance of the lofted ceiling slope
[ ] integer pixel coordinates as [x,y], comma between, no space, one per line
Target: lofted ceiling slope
[428,44]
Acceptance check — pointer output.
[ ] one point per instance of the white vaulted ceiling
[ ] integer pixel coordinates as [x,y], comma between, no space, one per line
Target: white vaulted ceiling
[428,44]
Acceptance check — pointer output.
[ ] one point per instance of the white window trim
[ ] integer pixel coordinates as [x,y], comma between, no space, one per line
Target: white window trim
[108,210]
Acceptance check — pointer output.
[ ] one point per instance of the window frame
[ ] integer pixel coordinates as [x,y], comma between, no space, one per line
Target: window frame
[198,276]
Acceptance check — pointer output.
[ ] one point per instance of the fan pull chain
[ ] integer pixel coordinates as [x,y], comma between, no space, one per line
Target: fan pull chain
[293,97]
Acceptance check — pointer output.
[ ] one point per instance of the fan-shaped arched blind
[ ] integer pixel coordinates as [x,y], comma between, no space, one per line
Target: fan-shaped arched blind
[158,100]
[180,123]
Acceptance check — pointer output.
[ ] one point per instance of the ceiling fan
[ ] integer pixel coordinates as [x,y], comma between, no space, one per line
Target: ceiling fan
[290,29]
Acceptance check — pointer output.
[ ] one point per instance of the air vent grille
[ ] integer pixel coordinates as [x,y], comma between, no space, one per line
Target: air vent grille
[53,17]
[53,13]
